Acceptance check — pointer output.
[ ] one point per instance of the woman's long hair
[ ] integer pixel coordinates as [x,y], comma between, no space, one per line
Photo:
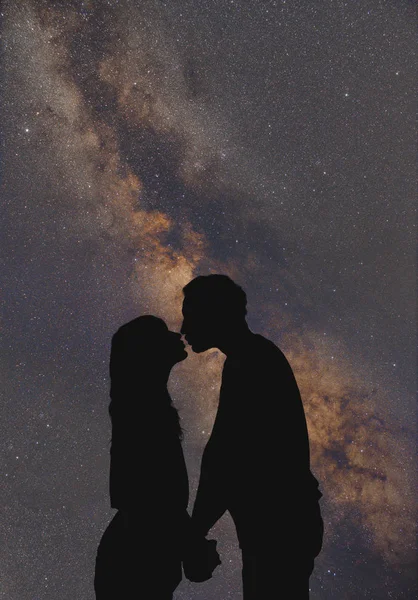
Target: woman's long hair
[138,397]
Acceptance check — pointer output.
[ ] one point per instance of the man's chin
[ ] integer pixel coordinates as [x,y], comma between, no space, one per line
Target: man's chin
[182,356]
[199,348]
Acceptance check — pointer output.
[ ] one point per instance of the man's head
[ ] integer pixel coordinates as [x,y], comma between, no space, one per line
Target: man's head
[213,308]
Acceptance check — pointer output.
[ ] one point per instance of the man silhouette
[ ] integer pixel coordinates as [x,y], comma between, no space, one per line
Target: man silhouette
[256,463]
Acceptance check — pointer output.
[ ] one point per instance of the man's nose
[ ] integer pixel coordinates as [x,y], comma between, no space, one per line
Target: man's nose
[182,331]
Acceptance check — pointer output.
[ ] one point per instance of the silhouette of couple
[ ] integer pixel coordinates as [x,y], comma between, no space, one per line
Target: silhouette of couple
[255,465]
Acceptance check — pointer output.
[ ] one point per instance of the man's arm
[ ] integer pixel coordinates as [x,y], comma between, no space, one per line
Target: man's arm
[210,503]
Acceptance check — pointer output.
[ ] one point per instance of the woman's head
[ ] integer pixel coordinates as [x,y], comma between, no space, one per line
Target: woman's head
[145,348]
[142,354]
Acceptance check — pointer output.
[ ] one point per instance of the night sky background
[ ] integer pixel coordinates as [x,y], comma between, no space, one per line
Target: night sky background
[146,142]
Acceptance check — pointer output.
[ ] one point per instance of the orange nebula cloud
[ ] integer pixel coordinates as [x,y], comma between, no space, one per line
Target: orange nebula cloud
[357,453]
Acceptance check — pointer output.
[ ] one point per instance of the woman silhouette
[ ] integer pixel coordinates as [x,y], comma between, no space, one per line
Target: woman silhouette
[142,548]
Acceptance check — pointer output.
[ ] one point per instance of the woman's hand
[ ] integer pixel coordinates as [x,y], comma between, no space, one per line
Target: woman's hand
[200,560]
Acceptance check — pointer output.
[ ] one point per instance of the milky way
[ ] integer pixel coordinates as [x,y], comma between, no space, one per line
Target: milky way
[146,143]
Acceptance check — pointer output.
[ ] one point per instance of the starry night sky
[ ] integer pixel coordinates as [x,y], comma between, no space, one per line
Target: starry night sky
[146,142]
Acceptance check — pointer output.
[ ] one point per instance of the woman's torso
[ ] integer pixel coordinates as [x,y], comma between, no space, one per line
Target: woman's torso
[148,475]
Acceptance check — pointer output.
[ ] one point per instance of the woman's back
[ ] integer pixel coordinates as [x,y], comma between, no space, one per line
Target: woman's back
[147,468]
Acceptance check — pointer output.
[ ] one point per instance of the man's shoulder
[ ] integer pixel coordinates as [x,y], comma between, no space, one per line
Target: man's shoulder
[263,354]
[265,347]
[257,354]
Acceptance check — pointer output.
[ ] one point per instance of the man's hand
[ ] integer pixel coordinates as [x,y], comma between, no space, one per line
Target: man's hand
[200,560]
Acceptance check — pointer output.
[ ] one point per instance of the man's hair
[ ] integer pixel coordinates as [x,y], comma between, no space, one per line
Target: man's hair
[218,292]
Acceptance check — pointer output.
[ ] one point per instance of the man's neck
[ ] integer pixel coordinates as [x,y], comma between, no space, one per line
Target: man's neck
[236,340]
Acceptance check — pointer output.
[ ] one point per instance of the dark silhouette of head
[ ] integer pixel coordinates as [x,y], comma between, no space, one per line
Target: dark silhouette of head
[144,351]
[214,309]
[142,355]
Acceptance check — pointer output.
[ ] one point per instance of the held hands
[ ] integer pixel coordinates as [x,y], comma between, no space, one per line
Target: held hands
[200,557]
[200,560]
